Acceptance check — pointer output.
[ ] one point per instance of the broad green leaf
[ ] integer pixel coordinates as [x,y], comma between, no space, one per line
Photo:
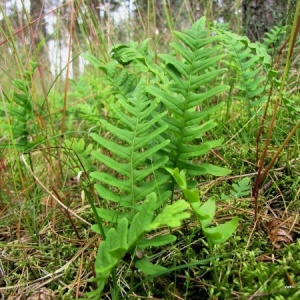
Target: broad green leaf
[222,232]
[95,228]
[174,104]
[122,134]
[203,169]
[121,168]
[179,177]
[120,247]
[212,92]
[107,194]
[191,133]
[180,66]
[188,151]
[192,196]
[113,216]
[105,262]
[205,212]
[142,220]
[121,151]
[187,54]
[147,267]
[123,185]
[156,241]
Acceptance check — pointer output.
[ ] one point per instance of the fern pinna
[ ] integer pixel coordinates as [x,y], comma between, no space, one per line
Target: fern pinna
[191,83]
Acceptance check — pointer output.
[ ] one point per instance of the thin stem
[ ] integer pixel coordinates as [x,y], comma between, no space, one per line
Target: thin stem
[262,173]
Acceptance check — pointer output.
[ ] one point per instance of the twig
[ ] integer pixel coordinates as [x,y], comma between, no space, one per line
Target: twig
[51,194]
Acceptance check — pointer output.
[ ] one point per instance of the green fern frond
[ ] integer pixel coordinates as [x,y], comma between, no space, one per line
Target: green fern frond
[117,76]
[125,54]
[273,38]
[17,113]
[248,62]
[125,237]
[189,87]
[131,151]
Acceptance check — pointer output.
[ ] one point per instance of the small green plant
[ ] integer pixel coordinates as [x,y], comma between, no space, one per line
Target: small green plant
[18,113]
[248,64]
[147,135]
[239,189]
[273,38]
[204,212]
[125,238]
[141,131]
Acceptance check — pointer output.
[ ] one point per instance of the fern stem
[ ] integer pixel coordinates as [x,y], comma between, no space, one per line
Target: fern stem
[286,141]
[215,275]
[115,292]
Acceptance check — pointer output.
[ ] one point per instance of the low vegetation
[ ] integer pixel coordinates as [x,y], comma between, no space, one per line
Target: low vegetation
[155,174]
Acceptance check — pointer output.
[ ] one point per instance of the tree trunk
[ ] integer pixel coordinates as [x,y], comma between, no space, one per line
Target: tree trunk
[259,16]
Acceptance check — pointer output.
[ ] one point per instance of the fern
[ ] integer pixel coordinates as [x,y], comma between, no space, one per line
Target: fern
[151,134]
[124,237]
[18,109]
[273,38]
[248,62]
[119,75]
[132,155]
[97,98]
[126,54]
[187,87]
[205,212]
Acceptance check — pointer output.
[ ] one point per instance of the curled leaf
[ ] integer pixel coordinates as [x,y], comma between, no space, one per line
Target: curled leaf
[279,233]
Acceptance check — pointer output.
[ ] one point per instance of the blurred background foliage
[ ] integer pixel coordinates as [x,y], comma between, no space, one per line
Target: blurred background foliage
[47,27]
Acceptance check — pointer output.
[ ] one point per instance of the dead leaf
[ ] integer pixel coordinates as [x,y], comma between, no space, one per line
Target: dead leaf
[279,233]
[42,294]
